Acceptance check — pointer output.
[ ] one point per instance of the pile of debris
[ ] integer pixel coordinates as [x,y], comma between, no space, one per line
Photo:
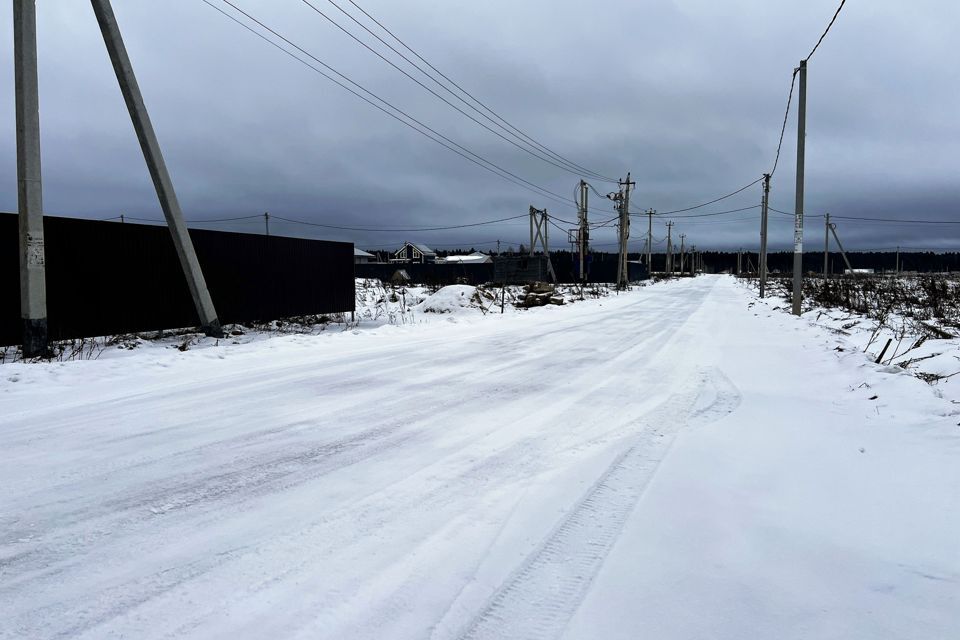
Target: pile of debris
[539,294]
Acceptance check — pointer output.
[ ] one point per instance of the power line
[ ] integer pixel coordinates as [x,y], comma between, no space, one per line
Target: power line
[868,219]
[783,129]
[605,223]
[442,141]
[409,229]
[827,30]
[205,221]
[519,133]
[789,213]
[712,213]
[729,195]
[328,226]
[535,154]
[894,220]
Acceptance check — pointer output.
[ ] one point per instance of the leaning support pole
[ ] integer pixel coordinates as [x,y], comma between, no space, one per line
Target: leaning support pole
[155,164]
[33,284]
[798,211]
[826,246]
[833,229]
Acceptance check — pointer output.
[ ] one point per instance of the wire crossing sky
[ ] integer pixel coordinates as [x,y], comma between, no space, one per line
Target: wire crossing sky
[449,116]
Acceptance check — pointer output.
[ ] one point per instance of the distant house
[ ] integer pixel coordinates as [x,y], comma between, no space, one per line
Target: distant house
[854,272]
[414,253]
[362,257]
[473,258]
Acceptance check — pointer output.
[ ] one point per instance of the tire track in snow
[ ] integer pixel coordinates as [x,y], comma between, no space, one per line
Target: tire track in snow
[538,600]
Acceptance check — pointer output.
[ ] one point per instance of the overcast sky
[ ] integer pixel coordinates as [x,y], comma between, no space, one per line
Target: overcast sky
[688,95]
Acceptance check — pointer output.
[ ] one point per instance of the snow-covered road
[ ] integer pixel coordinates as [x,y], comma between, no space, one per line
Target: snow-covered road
[673,462]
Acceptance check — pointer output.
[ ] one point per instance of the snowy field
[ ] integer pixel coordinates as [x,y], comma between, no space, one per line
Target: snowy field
[678,461]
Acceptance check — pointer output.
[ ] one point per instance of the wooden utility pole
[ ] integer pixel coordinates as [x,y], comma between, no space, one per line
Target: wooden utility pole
[156,166]
[33,283]
[798,208]
[763,234]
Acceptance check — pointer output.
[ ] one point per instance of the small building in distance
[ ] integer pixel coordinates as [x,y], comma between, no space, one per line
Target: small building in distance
[362,257]
[472,258]
[414,253]
[858,272]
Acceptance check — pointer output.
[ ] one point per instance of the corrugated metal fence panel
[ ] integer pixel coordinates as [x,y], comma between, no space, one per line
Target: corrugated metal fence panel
[105,278]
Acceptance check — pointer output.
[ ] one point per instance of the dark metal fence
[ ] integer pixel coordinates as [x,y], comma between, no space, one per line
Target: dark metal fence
[105,278]
[511,269]
[436,274]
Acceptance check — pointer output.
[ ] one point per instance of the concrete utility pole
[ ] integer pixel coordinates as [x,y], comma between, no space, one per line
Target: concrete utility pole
[669,268]
[682,237]
[622,200]
[763,234]
[266,222]
[625,230]
[898,260]
[826,246]
[650,214]
[157,167]
[33,283]
[739,261]
[798,209]
[584,232]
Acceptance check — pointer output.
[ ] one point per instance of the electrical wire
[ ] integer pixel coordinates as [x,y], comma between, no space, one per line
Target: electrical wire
[783,129]
[714,213]
[409,229]
[126,217]
[273,217]
[437,95]
[827,30]
[440,139]
[894,220]
[729,195]
[790,213]
[606,223]
[519,134]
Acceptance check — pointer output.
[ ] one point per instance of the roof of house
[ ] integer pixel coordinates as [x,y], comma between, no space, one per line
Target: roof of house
[473,258]
[422,248]
[360,253]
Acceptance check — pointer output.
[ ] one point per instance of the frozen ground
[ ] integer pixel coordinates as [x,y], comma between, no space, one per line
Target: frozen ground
[673,462]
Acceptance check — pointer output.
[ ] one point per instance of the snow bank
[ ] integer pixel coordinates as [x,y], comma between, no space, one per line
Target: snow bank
[451,299]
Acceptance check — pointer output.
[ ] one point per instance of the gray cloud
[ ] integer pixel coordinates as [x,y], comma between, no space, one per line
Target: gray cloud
[688,96]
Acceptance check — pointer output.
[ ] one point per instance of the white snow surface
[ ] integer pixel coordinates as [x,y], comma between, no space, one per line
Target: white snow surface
[449,299]
[672,462]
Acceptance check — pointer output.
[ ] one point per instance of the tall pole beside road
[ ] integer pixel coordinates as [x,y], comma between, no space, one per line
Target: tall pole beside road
[798,209]
[33,283]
